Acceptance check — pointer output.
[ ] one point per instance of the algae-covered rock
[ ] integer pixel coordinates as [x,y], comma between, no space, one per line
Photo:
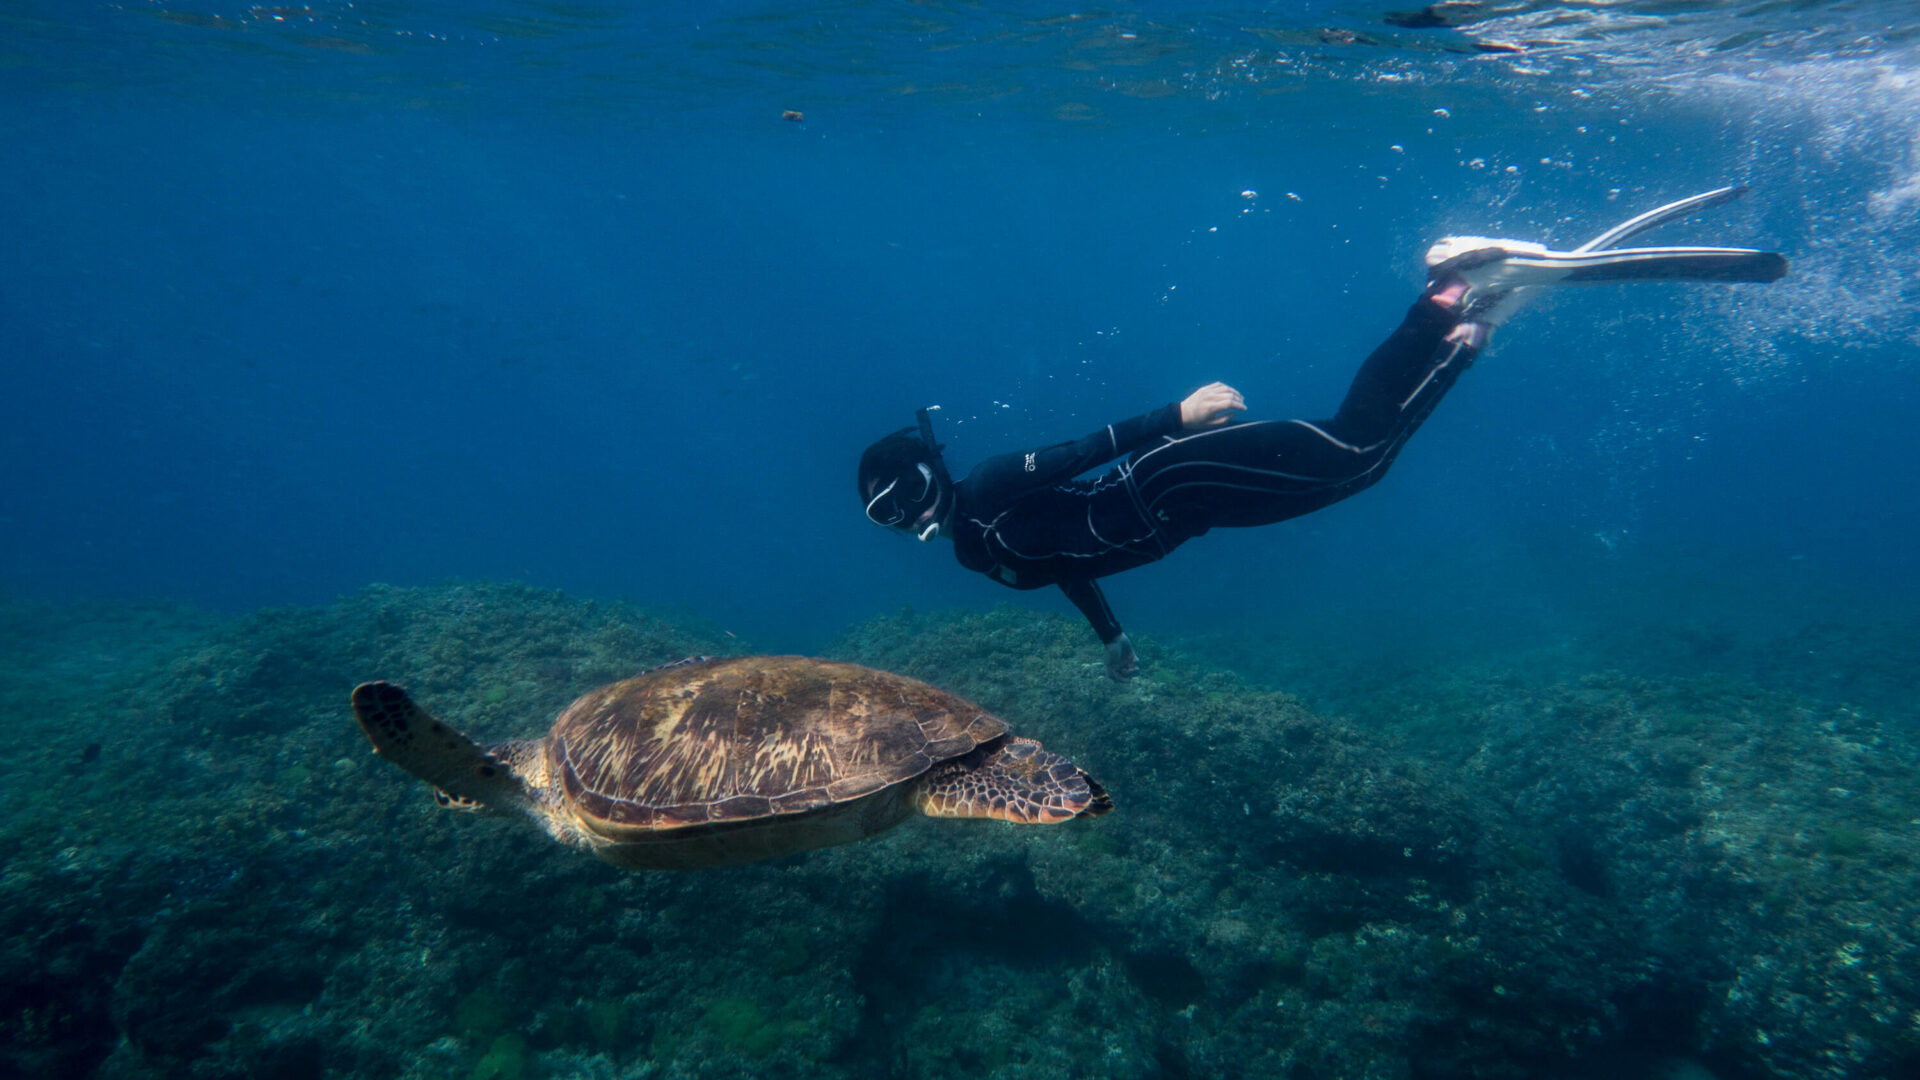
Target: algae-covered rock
[1766,847]
[1509,879]
[1271,876]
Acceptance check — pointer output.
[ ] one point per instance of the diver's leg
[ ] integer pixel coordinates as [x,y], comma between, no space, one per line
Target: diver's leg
[1257,473]
[1401,381]
[1262,472]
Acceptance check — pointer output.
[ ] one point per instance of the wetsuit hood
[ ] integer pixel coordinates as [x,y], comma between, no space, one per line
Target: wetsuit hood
[904,482]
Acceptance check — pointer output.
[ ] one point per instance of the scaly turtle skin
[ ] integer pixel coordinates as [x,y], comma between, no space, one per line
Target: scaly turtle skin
[717,762]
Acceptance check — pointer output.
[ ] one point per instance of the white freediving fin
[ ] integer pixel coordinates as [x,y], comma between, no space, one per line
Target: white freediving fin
[1517,268]
[1499,273]
[1660,215]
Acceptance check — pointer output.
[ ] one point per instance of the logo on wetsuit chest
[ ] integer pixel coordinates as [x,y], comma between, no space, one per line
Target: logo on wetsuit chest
[1029,462]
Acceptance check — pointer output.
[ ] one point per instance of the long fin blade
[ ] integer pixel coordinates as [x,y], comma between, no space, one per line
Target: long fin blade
[1660,215]
[1645,264]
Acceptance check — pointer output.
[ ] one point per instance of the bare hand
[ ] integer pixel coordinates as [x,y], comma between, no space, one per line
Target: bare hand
[1122,664]
[1210,406]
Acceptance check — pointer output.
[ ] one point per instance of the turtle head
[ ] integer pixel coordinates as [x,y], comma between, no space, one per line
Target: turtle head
[464,775]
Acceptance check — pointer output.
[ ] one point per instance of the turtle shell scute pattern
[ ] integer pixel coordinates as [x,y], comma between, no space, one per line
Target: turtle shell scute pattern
[748,738]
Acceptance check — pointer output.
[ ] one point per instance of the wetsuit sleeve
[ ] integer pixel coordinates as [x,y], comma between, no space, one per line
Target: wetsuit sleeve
[1006,477]
[1086,596]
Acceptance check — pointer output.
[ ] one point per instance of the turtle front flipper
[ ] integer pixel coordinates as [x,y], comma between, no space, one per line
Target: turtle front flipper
[462,772]
[1011,779]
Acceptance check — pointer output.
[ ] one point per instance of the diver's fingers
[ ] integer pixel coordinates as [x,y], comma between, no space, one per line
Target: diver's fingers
[1227,402]
[1210,406]
[1222,394]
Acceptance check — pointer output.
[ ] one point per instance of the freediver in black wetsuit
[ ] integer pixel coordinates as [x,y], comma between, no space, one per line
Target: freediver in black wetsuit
[1027,520]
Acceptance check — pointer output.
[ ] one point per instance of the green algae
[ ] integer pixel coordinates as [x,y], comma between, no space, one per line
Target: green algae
[739,1023]
[609,1022]
[1096,841]
[1847,842]
[483,1015]
[1278,893]
[590,901]
[788,953]
[505,1059]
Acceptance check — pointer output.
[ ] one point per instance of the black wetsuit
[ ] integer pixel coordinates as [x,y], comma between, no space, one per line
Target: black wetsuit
[1024,520]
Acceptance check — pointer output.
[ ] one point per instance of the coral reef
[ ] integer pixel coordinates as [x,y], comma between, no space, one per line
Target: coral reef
[206,874]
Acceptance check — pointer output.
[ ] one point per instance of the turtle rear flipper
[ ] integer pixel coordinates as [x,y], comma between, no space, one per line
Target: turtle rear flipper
[1011,779]
[462,771]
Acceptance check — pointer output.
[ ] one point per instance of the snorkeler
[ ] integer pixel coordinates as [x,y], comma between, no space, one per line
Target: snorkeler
[1028,519]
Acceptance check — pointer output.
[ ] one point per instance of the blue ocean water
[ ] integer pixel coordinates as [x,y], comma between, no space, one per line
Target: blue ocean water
[302,297]
[309,301]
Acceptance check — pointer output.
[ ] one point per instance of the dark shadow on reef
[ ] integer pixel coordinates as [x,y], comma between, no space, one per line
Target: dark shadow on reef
[1597,876]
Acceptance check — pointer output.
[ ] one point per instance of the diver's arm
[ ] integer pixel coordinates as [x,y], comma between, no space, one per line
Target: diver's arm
[1086,595]
[1005,477]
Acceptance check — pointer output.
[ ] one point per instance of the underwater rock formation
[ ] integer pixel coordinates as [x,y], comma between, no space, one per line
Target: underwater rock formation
[206,875]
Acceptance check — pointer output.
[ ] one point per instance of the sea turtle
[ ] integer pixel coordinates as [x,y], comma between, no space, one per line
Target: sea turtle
[712,762]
